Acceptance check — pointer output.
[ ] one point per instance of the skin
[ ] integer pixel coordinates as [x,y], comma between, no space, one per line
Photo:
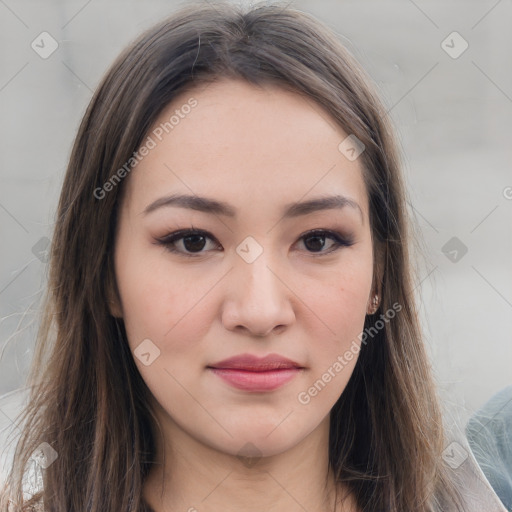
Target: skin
[256,149]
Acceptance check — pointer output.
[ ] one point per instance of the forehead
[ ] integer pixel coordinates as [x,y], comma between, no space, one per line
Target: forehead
[240,143]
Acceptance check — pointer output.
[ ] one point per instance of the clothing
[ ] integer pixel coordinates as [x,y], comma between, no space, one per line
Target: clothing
[474,486]
[489,433]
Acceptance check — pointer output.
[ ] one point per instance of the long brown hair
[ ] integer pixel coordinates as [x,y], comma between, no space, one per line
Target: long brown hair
[87,398]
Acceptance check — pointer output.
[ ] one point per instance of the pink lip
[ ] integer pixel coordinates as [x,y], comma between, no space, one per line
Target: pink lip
[252,363]
[252,373]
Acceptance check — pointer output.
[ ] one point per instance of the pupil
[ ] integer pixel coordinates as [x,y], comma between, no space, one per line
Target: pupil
[195,246]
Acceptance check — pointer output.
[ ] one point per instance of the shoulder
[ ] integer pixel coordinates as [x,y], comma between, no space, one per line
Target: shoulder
[489,433]
[494,417]
[473,485]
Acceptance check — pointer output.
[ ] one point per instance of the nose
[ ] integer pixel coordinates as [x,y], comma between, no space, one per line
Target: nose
[258,299]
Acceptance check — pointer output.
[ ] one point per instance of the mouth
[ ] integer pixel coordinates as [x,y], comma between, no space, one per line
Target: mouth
[256,381]
[251,373]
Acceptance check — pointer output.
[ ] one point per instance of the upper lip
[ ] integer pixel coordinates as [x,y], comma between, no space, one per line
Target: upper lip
[255,363]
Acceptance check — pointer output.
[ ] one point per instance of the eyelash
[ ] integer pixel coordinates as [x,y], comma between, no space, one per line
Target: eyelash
[169,240]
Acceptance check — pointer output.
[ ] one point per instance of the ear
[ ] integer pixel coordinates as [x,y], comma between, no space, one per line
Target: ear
[378,274]
[378,270]
[112,296]
[114,308]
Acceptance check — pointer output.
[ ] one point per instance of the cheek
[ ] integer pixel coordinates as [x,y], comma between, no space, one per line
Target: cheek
[335,342]
[340,301]
[159,304]
[340,305]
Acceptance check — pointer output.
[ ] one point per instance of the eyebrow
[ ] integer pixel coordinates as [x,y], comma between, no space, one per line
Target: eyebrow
[291,210]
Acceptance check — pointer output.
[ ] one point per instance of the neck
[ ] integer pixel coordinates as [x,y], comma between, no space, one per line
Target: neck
[195,477]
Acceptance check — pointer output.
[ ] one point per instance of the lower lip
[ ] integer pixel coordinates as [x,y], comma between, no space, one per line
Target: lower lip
[256,381]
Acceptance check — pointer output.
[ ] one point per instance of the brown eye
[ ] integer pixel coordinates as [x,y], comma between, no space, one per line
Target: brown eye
[192,243]
[187,242]
[315,241]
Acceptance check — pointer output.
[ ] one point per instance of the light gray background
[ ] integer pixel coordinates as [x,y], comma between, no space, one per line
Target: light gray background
[453,116]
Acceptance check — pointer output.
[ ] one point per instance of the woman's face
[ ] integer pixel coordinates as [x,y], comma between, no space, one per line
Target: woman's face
[253,281]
